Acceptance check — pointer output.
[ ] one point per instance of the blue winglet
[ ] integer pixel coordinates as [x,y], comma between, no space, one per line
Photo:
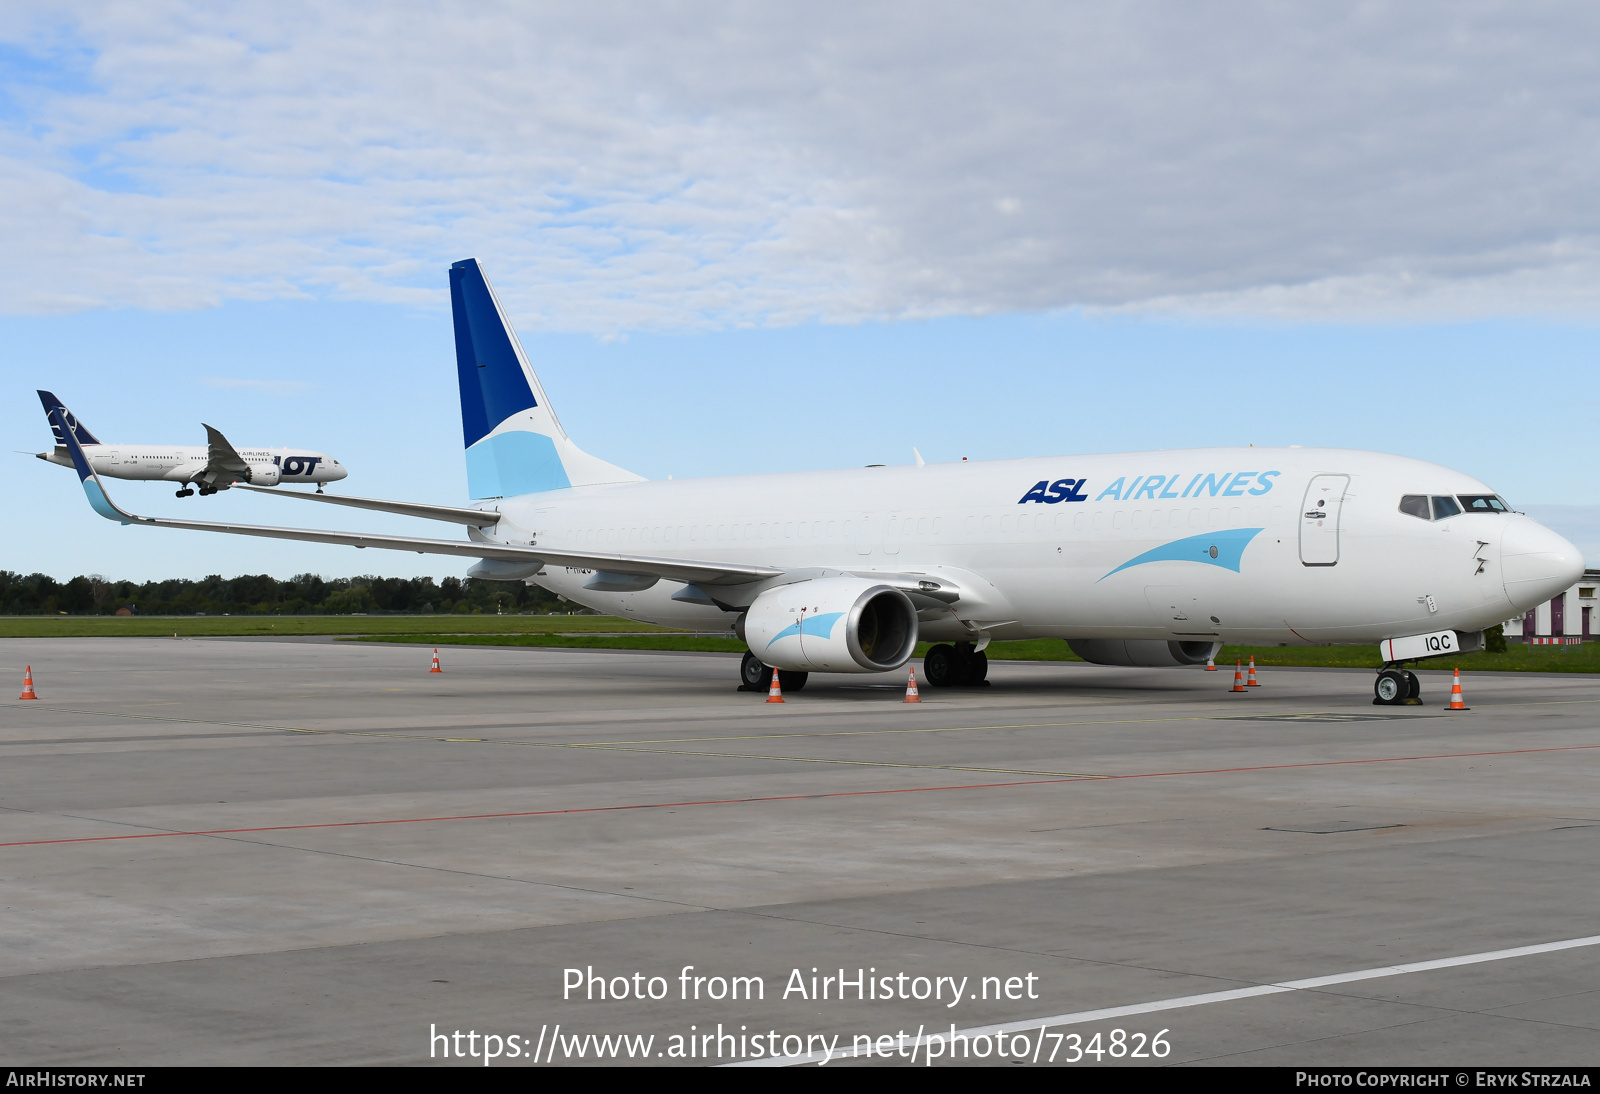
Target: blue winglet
[92,489]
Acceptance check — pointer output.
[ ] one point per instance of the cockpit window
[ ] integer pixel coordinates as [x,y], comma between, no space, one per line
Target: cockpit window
[1444,507]
[1484,503]
[1416,505]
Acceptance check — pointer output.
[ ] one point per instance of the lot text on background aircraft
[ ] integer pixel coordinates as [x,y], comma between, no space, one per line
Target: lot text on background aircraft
[1135,559]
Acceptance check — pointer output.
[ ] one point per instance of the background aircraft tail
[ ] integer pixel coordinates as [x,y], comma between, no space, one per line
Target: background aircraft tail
[52,403]
[515,443]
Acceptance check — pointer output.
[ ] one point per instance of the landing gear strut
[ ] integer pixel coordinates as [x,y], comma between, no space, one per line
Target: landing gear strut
[1396,687]
[754,676]
[957,666]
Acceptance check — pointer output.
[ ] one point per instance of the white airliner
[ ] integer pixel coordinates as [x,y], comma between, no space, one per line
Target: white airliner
[1137,558]
[215,467]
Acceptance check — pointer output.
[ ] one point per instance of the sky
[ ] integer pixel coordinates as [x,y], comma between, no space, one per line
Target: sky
[740,237]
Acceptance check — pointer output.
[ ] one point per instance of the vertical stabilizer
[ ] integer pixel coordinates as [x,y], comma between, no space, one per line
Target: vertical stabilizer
[515,444]
[66,420]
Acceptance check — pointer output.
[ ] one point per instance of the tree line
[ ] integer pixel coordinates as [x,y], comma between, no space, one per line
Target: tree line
[259,594]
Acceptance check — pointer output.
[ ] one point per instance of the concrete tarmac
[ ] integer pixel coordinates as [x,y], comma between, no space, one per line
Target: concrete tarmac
[236,851]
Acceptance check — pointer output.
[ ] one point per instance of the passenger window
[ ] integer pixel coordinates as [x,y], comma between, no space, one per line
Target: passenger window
[1444,507]
[1415,505]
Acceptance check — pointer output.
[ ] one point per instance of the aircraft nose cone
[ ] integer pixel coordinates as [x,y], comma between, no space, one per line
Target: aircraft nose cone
[1536,563]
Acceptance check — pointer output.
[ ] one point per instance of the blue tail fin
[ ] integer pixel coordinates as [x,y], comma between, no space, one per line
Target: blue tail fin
[82,434]
[515,444]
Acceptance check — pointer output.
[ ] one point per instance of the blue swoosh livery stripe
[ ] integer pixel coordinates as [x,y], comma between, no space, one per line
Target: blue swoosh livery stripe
[1229,543]
[817,626]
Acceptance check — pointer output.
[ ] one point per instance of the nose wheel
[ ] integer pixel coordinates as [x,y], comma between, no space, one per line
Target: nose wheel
[1396,687]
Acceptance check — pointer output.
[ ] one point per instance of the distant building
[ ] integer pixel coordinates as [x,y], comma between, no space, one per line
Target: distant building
[1566,619]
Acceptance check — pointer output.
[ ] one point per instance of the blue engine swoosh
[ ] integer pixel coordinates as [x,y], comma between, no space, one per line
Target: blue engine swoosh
[1230,544]
[818,626]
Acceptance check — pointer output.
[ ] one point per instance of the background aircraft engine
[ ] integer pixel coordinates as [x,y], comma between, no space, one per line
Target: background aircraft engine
[1143,653]
[264,475]
[832,624]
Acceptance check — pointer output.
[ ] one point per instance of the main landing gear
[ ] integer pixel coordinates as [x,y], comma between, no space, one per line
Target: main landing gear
[754,676]
[186,492]
[1396,687]
[958,666]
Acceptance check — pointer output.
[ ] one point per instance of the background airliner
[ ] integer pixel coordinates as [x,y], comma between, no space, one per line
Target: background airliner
[1139,558]
[214,467]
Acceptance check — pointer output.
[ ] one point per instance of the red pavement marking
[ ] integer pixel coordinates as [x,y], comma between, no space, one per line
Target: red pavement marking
[796,797]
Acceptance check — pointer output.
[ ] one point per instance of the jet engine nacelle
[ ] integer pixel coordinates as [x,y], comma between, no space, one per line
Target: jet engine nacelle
[265,474]
[832,624]
[1143,653]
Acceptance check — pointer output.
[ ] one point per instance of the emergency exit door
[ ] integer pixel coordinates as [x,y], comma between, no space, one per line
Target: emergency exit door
[1319,520]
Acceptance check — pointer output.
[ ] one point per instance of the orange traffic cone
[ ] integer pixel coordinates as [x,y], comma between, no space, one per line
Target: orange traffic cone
[27,683]
[1211,666]
[911,687]
[1455,695]
[1252,682]
[775,693]
[1238,677]
[436,667]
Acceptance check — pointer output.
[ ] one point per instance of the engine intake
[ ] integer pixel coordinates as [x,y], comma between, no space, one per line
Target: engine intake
[832,624]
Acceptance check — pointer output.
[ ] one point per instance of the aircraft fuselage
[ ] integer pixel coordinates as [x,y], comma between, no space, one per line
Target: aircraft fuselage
[187,463]
[1250,545]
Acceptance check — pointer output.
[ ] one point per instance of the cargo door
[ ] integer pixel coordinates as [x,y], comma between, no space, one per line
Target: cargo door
[1319,520]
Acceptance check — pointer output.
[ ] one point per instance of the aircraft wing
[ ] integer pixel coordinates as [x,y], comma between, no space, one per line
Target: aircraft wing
[474,518]
[223,462]
[670,569]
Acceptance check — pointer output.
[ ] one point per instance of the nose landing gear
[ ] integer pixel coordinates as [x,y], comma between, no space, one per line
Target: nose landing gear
[1396,687]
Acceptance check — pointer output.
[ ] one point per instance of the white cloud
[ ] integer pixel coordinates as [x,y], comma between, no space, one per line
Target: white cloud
[620,166]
